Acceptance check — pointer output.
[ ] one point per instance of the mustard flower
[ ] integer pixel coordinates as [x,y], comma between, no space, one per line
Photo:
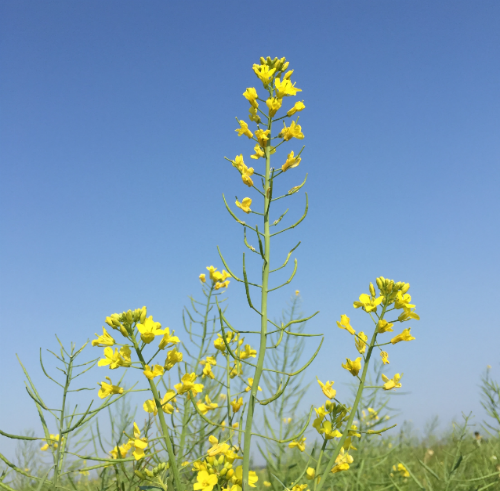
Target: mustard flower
[173,357]
[206,406]
[236,404]
[222,284]
[408,314]
[165,402]
[120,452]
[53,442]
[342,461]
[310,473]
[392,383]
[259,153]
[264,73]
[109,389]
[352,366]
[291,162]
[404,336]
[217,448]
[262,137]
[104,340]
[367,303]
[250,384]
[150,406]
[244,205]
[248,352]
[156,371]
[403,300]
[251,96]
[360,342]
[187,385]
[287,420]
[253,115]
[149,329]
[300,444]
[168,338]
[384,326]
[299,106]
[202,278]
[139,443]
[205,481]
[273,105]
[293,131]
[245,177]
[237,479]
[385,357]
[300,487]
[243,130]
[327,429]
[285,88]
[403,471]
[327,389]
[114,321]
[115,358]
[207,371]
[345,323]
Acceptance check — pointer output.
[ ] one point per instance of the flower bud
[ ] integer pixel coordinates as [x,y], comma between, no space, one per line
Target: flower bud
[310,473]
[405,288]
[211,460]
[129,316]
[287,75]
[230,473]
[372,290]
[285,66]
[262,60]
[140,474]
[223,472]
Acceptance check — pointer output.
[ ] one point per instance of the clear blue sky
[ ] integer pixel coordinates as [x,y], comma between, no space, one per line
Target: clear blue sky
[115,120]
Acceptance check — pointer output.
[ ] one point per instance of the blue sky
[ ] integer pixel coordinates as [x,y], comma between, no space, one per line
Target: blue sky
[115,120]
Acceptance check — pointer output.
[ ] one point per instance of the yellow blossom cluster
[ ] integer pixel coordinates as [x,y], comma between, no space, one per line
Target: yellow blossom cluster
[219,279]
[138,443]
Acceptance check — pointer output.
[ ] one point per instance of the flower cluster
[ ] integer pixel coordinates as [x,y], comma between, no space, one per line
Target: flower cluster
[219,280]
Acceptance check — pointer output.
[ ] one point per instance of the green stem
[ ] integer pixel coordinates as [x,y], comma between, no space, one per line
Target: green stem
[163,423]
[263,310]
[354,408]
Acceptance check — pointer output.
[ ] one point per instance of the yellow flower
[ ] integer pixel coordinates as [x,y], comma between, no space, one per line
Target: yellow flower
[165,402]
[367,303]
[267,484]
[207,371]
[253,115]
[52,442]
[259,153]
[202,278]
[250,384]
[237,478]
[273,104]
[327,389]
[185,464]
[251,96]
[248,352]
[206,481]
[352,366]
[116,358]
[392,383]
[345,324]
[408,314]
[287,420]
[384,326]
[245,171]
[385,357]
[343,460]
[187,385]
[403,471]
[291,162]
[293,131]
[243,130]
[150,406]
[264,72]
[168,339]
[236,404]
[327,430]
[222,284]
[217,448]
[404,336]
[152,373]
[300,444]
[173,357]
[360,341]
[262,137]
[244,205]
[310,473]
[121,451]
[299,106]
[104,340]
[149,329]
[285,88]
[109,389]
[402,301]
[299,487]
[206,406]
[139,444]
[297,292]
